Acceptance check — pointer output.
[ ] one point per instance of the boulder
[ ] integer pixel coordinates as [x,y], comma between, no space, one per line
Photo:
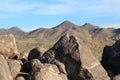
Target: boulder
[66,51]
[5,73]
[8,46]
[36,53]
[45,71]
[111,58]
[15,67]
[90,62]
[26,67]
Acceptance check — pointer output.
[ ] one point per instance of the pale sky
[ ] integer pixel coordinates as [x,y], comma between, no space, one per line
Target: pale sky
[33,14]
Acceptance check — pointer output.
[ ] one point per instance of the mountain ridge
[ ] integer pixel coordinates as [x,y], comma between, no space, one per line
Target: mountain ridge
[86,29]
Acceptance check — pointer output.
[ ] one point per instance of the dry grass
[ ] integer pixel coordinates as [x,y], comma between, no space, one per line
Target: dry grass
[96,45]
[25,45]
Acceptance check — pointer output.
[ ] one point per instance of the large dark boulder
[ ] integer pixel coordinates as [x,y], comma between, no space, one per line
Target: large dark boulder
[111,58]
[79,62]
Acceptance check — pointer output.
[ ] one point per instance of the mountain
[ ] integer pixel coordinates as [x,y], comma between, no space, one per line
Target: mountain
[94,36]
[14,30]
[85,31]
[58,31]
[89,27]
[100,33]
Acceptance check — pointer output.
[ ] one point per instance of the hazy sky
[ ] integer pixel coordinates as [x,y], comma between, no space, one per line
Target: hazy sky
[32,14]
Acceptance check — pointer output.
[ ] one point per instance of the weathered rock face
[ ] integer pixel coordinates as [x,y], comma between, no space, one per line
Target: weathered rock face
[8,46]
[116,77]
[15,67]
[91,63]
[68,59]
[45,72]
[111,58]
[66,51]
[36,53]
[5,73]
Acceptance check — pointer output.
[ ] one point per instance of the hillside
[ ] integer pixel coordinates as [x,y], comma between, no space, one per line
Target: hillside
[14,30]
[94,36]
[58,31]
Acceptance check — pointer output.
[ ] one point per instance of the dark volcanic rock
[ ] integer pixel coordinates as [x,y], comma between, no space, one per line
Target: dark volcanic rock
[111,58]
[26,67]
[35,53]
[66,51]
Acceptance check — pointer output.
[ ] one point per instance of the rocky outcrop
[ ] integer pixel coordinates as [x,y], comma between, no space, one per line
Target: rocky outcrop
[45,72]
[5,73]
[111,58]
[79,62]
[68,59]
[8,46]
[14,66]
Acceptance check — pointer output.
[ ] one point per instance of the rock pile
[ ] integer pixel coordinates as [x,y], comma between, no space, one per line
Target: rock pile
[68,59]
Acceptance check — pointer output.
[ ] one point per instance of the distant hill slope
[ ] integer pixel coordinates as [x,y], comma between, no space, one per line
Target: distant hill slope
[94,36]
[85,31]
[14,30]
[58,31]
[100,33]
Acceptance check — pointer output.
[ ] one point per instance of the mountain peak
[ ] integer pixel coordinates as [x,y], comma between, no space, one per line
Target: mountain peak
[89,26]
[67,22]
[66,25]
[14,28]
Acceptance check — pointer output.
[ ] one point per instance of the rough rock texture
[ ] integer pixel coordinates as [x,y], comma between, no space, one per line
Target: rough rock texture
[23,76]
[15,67]
[66,51]
[20,78]
[5,73]
[116,77]
[68,59]
[36,53]
[45,72]
[26,67]
[91,63]
[8,46]
[111,58]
